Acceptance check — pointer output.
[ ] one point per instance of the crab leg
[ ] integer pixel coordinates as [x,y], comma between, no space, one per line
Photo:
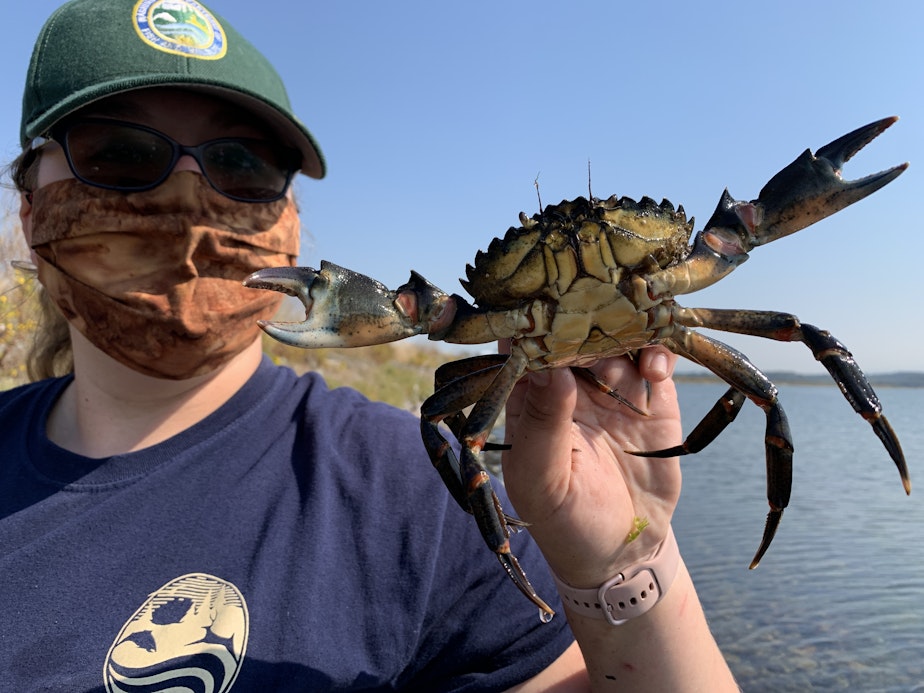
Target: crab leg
[723,412]
[344,308]
[804,192]
[735,369]
[811,187]
[466,476]
[477,371]
[785,327]
[461,368]
[455,390]
[601,385]
[465,388]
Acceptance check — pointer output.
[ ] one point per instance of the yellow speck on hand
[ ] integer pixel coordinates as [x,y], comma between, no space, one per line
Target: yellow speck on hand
[639,525]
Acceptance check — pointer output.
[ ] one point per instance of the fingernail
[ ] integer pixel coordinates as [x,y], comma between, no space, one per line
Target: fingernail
[659,365]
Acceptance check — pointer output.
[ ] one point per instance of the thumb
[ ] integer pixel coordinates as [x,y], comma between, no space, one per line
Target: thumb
[539,433]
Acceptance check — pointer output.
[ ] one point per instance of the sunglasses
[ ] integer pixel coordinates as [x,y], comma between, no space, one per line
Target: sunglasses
[115,155]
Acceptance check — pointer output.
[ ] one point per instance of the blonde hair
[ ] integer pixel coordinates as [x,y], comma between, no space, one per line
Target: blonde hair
[50,354]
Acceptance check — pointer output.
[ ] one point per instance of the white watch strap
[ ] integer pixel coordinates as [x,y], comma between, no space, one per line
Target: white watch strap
[629,594]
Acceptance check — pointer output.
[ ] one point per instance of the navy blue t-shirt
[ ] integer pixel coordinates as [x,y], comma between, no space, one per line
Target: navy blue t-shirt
[298,539]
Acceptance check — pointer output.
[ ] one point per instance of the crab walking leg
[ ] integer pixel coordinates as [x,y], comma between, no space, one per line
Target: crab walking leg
[467,373]
[454,391]
[462,368]
[604,387]
[735,369]
[833,355]
[473,479]
[723,412]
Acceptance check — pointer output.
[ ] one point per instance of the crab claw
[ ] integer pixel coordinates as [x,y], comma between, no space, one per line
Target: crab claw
[808,190]
[343,308]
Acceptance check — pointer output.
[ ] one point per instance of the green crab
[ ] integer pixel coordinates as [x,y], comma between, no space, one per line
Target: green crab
[588,279]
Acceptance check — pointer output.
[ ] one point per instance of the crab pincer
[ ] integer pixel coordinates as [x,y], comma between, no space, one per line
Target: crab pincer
[342,307]
[804,192]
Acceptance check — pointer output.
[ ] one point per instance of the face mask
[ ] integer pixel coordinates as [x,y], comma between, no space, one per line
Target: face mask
[153,278]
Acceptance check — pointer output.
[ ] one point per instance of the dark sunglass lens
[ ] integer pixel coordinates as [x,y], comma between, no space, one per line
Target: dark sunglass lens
[248,169]
[117,156]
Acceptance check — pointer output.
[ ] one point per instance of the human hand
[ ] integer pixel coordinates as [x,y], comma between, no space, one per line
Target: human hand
[568,473]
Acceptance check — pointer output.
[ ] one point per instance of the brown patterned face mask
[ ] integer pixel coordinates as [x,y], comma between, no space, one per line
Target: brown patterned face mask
[154,278]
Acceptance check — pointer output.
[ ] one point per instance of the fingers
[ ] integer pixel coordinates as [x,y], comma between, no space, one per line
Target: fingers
[549,401]
[653,364]
[635,380]
[541,418]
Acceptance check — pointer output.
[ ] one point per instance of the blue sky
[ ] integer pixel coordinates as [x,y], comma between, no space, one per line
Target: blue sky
[436,118]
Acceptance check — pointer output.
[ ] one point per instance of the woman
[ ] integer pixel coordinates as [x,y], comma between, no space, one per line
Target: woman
[177,508]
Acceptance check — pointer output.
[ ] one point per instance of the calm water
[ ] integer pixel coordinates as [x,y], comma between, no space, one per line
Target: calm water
[838,601]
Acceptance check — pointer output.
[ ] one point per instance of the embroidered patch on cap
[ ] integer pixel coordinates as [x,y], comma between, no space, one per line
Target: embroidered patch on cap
[181,27]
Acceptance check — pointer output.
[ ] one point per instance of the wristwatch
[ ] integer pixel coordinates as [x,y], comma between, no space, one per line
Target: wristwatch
[630,593]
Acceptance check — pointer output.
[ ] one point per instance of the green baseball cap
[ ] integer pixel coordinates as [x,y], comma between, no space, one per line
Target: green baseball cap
[91,49]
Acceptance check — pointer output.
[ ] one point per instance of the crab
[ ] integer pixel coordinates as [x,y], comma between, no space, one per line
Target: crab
[588,279]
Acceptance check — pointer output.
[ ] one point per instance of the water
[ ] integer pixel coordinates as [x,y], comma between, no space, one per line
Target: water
[838,601]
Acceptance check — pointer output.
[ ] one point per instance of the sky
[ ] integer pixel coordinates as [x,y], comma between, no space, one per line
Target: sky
[437,120]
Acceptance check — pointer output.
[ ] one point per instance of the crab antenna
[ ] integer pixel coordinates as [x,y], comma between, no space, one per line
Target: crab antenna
[590,193]
[536,185]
